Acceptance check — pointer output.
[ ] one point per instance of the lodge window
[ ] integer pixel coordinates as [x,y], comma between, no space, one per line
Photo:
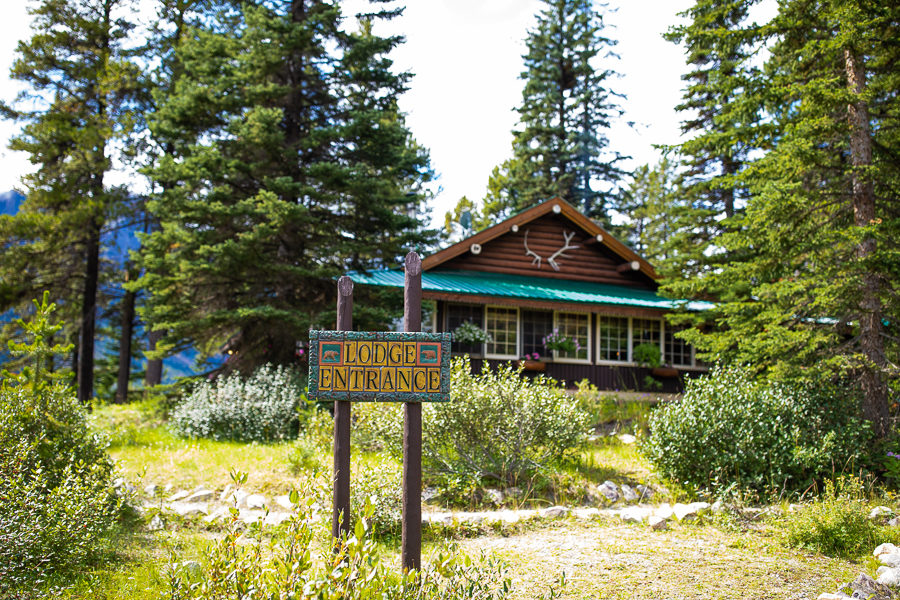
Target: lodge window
[457,314]
[502,326]
[536,324]
[646,331]
[575,326]
[677,351]
[613,339]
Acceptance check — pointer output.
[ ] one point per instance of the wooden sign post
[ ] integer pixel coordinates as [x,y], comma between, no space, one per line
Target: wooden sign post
[355,366]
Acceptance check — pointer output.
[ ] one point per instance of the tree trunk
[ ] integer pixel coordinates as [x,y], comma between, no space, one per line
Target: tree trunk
[874,388]
[85,372]
[154,365]
[125,346]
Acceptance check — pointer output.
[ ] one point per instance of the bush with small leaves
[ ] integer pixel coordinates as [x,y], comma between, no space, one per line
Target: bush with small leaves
[730,430]
[262,407]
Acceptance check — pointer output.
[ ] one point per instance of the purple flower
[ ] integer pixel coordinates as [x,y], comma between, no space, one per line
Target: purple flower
[893,455]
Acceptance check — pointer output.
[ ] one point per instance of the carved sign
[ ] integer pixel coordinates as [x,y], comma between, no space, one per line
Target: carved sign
[379,366]
[567,236]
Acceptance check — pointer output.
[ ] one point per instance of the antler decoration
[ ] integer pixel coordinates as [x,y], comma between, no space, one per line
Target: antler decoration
[559,253]
[528,252]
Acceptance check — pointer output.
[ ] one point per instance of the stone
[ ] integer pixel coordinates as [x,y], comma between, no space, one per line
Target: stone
[895,522]
[156,524]
[494,496]
[277,518]
[627,438]
[889,576]
[251,516]
[178,496]
[866,587]
[285,502]
[892,559]
[718,506]
[664,511]
[609,490]
[150,489]
[168,488]
[644,491]
[223,497]
[586,513]
[885,549]
[201,496]
[657,523]
[683,512]
[828,596]
[880,511]
[554,512]
[219,513]
[189,509]
[236,498]
[629,493]
[792,508]
[429,494]
[255,501]
[635,514]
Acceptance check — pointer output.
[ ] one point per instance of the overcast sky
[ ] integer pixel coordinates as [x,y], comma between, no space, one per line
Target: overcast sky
[466,56]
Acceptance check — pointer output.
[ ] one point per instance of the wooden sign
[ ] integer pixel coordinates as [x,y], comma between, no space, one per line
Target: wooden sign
[361,366]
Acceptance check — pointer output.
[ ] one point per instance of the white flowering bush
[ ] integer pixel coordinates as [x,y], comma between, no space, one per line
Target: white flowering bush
[262,407]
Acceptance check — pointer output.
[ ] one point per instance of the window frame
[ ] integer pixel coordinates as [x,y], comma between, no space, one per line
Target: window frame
[614,363]
[515,330]
[587,346]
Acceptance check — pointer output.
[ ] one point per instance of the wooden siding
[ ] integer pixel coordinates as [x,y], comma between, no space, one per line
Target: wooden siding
[613,310]
[590,261]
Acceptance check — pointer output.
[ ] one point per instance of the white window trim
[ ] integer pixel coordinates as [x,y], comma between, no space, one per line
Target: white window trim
[577,361]
[599,350]
[484,351]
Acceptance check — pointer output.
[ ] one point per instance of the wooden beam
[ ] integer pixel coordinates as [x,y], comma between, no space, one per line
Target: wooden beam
[629,267]
[340,518]
[613,310]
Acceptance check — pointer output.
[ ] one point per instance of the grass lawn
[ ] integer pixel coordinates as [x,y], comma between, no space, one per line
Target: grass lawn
[717,558]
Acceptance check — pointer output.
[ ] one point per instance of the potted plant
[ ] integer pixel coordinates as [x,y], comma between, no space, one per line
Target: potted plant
[555,341]
[470,333]
[648,355]
[532,362]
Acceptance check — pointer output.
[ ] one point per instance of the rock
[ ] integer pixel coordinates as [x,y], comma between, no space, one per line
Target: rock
[885,549]
[635,514]
[219,513]
[277,518]
[792,508]
[888,576]
[866,587]
[586,513]
[178,496]
[609,491]
[201,496]
[223,497]
[255,501]
[891,560]
[555,512]
[627,438]
[827,596]
[664,511]
[629,493]
[236,498]
[168,488]
[285,502]
[189,509]
[718,506]
[156,524]
[494,496]
[151,489]
[895,522]
[880,511]
[429,494]
[657,523]
[644,491]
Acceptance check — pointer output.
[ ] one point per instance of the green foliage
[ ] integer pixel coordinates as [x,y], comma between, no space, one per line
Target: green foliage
[262,407]
[650,202]
[837,524]
[378,485]
[647,355]
[498,426]
[470,333]
[38,376]
[56,505]
[732,429]
[561,148]
[284,563]
[287,163]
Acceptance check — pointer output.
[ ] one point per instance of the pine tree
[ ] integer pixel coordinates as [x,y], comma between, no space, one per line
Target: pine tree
[289,165]
[83,81]
[649,201]
[562,148]
[811,286]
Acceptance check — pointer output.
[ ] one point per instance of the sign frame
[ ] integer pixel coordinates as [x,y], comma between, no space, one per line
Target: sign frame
[318,339]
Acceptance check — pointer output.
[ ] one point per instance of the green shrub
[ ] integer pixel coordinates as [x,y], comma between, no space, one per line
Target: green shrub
[56,502]
[730,429]
[285,564]
[262,407]
[498,426]
[837,524]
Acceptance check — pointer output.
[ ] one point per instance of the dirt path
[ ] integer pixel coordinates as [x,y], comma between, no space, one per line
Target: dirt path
[687,562]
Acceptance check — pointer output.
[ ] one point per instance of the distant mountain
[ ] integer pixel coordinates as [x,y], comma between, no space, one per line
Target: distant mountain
[10,202]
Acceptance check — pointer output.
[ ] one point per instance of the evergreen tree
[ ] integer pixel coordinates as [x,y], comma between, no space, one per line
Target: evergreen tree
[81,84]
[562,148]
[649,201]
[810,288]
[289,165]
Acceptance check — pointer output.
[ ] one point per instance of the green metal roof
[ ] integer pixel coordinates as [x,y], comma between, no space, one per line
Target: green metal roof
[534,288]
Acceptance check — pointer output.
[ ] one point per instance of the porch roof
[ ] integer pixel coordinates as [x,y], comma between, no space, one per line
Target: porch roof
[478,283]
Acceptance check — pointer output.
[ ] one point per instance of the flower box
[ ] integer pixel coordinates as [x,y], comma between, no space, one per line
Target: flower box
[532,365]
[664,372]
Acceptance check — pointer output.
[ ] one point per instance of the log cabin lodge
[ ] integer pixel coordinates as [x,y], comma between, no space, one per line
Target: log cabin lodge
[551,267]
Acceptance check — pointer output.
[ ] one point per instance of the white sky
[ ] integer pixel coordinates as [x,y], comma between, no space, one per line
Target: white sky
[466,56]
